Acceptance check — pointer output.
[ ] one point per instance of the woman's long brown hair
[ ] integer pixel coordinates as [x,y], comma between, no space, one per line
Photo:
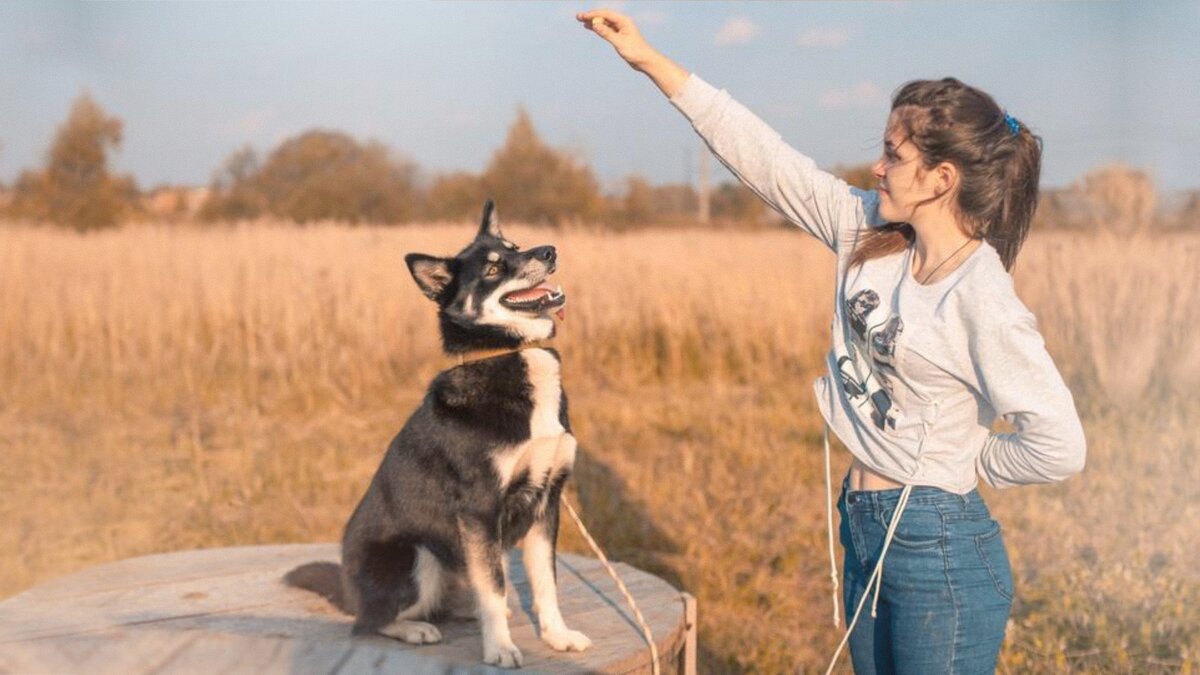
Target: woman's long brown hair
[949,121]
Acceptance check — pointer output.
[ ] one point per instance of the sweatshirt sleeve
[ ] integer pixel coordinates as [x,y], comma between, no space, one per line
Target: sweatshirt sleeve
[1018,378]
[787,180]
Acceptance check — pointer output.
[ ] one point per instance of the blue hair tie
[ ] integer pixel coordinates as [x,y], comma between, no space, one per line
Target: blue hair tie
[1013,125]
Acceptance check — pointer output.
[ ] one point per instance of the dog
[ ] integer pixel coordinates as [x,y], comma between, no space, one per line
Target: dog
[478,468]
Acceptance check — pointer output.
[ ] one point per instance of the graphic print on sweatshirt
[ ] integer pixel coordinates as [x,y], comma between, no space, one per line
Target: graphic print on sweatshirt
[867,370]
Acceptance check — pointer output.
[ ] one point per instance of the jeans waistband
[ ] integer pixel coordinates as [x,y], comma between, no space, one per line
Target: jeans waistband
[921,494]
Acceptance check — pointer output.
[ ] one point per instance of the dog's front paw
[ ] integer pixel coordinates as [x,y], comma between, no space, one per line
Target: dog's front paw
[413,632]
[566,640]
[503,655]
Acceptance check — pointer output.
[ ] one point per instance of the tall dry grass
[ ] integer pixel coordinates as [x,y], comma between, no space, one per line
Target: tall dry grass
[165,388]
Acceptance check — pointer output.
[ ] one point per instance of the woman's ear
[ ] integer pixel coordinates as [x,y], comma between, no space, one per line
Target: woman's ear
[946,178]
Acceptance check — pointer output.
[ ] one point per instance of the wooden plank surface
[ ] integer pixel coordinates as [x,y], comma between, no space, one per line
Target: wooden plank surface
[227,610]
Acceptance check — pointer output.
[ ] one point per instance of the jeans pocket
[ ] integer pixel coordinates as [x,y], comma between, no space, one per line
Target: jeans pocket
[918,530]
[991,551]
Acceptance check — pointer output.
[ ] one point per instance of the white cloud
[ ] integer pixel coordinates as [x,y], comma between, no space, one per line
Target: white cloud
[862,94]
[251,123]
[823,38]
[736,31]
[651,17]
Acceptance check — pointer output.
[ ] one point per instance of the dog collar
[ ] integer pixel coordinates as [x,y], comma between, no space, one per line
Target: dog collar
[463,358]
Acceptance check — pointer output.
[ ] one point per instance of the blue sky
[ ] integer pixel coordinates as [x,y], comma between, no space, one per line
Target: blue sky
[441,82]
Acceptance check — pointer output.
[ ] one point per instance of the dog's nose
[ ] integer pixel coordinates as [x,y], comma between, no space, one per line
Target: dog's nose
[544,253]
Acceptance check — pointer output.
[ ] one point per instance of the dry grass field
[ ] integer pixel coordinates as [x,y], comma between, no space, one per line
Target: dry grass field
[165,388]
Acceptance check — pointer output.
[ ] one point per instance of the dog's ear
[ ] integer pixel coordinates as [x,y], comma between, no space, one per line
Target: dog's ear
[431,274]
[490,223]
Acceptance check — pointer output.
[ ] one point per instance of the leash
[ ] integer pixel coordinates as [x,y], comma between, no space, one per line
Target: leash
[620,585]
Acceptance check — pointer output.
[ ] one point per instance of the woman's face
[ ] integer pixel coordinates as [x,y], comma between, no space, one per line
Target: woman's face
[903,181]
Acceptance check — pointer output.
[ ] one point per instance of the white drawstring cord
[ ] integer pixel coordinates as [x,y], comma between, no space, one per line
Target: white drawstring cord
[833,572]
[887,541]
[876,578]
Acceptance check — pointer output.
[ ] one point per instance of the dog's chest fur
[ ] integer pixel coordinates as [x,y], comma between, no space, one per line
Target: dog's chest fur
[550,449]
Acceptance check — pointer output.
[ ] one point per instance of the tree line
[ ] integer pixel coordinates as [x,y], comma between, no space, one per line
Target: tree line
[325,174]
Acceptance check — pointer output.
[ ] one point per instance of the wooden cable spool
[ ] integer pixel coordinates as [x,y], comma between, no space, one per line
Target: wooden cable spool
[227,610]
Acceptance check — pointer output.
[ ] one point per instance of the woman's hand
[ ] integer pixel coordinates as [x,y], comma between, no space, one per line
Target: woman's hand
[622,33]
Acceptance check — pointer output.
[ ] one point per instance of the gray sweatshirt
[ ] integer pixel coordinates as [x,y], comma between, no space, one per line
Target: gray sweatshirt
[917,373]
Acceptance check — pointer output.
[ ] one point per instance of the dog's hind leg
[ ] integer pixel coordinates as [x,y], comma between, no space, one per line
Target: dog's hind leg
[485,571]
[429,577]
[388,578]
[538,549]
[380,574]
[459,602]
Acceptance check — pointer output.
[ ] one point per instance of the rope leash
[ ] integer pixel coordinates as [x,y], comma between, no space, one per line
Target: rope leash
[637,613]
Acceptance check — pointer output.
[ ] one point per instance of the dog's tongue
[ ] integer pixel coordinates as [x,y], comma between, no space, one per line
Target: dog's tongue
[538,291]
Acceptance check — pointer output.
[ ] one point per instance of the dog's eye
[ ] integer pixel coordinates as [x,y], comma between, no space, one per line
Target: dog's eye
[492,270]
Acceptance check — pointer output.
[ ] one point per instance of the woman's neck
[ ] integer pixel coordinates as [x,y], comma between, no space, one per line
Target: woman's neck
[939,248]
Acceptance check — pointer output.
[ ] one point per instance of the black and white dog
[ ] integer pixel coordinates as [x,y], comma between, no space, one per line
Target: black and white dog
[478,468]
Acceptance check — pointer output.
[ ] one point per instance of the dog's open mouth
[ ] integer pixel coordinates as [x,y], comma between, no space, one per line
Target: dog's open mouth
[538,299]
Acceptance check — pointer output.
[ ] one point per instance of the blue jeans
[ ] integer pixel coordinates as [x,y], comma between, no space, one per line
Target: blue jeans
[947,585]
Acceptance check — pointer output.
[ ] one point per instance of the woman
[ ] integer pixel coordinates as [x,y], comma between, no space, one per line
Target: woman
[930,344]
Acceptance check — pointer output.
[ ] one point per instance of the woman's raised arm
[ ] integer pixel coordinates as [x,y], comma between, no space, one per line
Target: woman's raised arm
[787,180]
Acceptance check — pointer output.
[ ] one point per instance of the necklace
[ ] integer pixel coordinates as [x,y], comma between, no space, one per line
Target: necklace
[927,276]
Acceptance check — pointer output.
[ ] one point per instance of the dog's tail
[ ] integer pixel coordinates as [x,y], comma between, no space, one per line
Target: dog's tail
[322,578]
